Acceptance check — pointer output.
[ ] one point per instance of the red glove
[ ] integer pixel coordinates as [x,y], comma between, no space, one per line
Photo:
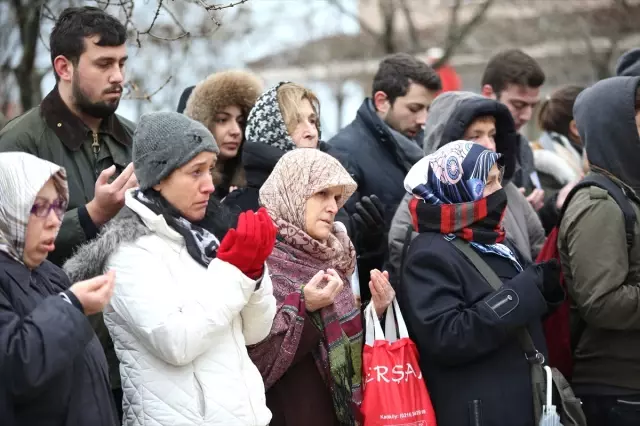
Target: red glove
[248,246]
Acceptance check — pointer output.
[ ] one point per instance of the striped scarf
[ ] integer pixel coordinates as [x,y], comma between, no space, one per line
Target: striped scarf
[475,221]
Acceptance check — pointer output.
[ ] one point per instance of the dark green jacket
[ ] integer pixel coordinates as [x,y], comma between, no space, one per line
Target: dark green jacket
[52,132]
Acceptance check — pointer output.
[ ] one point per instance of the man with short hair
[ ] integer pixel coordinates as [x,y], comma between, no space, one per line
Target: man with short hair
[76,127]
[514,78]
[381,144]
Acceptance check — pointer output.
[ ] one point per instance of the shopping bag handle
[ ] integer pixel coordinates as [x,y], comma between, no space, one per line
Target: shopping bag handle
[374,329]
[394,317]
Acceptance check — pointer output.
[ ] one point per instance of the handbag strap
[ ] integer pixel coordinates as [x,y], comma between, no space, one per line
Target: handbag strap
[535,358]
[496,283]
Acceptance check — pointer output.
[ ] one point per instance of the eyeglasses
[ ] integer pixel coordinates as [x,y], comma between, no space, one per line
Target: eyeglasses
[42,208]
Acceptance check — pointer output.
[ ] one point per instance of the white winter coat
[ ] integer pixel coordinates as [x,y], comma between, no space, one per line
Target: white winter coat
[180,332]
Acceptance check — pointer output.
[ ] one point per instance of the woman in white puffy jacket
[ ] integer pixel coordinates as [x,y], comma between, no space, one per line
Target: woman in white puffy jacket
[185,304]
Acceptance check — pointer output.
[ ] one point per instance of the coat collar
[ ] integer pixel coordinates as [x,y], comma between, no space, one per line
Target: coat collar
[156,223]
[70,129]
[17,271]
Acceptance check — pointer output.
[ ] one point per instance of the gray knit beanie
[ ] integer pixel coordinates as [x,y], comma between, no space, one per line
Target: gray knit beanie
[165,141]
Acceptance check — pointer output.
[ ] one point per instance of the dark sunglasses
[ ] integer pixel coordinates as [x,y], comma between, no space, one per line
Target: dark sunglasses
[42,207]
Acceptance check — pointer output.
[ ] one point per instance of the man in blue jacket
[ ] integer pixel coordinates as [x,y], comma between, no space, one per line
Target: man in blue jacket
[381,144]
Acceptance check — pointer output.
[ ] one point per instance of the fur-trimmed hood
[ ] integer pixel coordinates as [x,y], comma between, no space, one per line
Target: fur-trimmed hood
[220,90]
[90,259]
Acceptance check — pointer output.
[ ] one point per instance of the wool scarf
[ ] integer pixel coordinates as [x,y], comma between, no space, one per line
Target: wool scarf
[201,244]
[475,221]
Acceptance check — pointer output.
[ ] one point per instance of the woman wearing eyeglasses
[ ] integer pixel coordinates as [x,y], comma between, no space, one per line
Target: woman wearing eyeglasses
[52,367]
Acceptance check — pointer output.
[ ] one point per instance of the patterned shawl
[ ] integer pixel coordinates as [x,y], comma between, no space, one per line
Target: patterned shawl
[22,176]
[265,123]
[297,257]
[448,186]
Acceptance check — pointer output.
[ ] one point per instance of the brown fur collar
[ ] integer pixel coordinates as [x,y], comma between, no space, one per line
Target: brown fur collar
[220,90]
[70,129]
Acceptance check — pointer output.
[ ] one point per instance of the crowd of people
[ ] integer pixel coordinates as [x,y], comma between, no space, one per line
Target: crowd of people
[209,266]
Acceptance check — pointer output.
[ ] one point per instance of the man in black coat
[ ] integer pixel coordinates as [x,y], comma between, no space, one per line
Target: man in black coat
[381,144]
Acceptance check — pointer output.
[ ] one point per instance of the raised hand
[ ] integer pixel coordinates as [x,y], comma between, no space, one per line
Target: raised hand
[317,295]
[382,294]
[250,243]
[95,293]
[109,197]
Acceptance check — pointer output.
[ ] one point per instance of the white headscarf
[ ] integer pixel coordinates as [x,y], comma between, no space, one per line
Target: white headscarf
[22,176]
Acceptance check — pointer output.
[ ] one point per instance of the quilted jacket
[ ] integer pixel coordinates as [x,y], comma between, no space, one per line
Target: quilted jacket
[180,329]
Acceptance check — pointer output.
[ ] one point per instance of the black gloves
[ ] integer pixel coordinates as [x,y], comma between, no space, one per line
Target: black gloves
[550,283]
[370,215]
[369,224]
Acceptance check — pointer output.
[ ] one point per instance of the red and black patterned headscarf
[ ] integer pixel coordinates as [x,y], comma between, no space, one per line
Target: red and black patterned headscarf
[448,187]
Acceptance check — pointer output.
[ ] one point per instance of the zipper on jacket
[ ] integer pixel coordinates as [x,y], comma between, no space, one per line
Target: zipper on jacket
[95,145]
[502,302]
[201,399]
[475,413]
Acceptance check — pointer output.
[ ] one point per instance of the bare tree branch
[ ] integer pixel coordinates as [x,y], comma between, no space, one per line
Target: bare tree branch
[215,7]
[599,62]
[387,37]
[457,35]
[414,36]
[174,18]
[153,22]
[23,29]
[135,92]
[363,25]
[28,16]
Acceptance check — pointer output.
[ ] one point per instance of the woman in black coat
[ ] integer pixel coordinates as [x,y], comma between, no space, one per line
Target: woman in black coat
[52,367]
[466,332]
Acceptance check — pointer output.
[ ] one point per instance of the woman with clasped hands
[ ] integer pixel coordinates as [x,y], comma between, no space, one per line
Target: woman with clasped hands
[311,361]
[190,293]
[52,367]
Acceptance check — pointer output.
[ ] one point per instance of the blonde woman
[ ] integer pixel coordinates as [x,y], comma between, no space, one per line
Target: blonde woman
[285,117]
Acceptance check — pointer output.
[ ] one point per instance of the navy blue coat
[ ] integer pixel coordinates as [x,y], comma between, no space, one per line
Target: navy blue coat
[470,356]
[53,371]
[368,151]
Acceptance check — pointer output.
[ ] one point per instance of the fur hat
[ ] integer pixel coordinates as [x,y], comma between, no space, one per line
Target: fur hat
[221,90]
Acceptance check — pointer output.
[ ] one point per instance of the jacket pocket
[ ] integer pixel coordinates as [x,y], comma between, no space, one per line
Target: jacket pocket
[475,413]
[199,395]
